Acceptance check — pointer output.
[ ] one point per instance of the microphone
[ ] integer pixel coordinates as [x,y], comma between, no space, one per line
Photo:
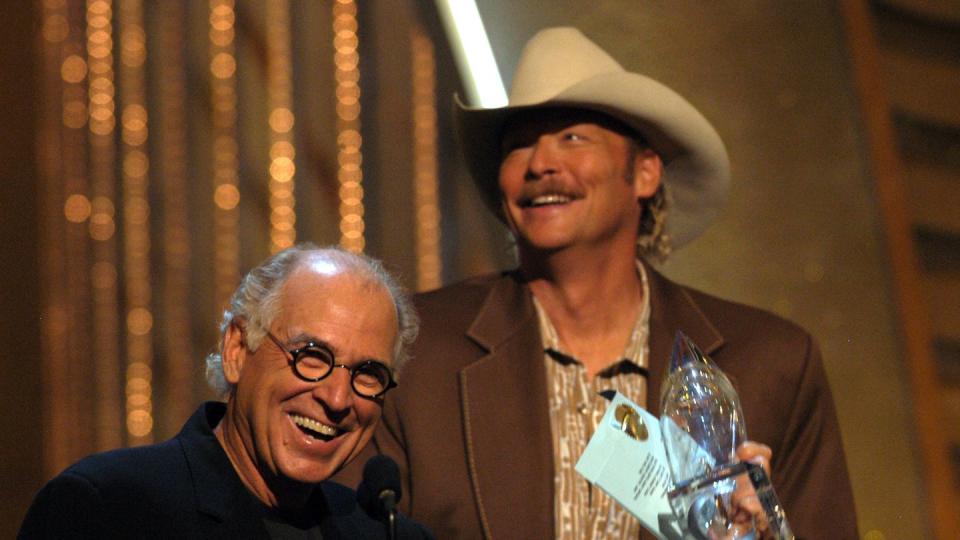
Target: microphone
[379,491]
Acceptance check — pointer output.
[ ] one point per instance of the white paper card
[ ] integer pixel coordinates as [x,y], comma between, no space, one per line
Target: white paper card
[634,472]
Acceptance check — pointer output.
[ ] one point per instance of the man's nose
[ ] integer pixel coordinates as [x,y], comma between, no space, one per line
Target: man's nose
[543,158]
[335,392]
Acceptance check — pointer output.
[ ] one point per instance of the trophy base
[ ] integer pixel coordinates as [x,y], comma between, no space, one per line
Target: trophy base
[706,507]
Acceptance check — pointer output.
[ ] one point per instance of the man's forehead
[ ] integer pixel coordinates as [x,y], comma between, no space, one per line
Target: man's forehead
[312,296]
[330,278]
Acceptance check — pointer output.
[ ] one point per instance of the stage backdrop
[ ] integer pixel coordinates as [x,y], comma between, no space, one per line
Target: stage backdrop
[162,148]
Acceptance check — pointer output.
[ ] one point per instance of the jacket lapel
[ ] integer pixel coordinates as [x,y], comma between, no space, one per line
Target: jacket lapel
[222,502]
[506,417]
[673,309]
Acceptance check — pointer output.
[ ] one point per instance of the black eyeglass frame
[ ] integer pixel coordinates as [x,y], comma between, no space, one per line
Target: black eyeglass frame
[297,354]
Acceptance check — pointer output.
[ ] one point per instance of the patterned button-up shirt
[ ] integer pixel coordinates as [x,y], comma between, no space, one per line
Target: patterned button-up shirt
[582,511]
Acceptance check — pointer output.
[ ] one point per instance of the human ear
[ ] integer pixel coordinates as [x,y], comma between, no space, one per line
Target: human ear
[233,353]
[647,173]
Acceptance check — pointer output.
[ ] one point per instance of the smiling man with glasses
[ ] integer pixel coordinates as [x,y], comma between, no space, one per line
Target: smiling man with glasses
[257,466]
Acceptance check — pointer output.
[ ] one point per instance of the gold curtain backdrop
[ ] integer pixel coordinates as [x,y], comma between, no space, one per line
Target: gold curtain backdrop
[181,143]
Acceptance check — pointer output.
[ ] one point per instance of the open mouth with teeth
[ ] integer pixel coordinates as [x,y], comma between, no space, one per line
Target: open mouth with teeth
[314,428]
[545,200]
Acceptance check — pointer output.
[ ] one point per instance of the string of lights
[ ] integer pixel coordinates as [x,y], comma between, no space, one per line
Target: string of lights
[425,162]
[283,216]
[226,192]
[346,61]
[67,209]
[136,223]
[102,224]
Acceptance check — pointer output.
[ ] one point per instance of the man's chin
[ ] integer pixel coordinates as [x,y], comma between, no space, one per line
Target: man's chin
[543,245]
[310,469]
[314,469]
[311,473]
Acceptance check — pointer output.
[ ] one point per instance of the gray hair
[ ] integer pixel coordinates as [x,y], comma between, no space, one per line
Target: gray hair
[256,302]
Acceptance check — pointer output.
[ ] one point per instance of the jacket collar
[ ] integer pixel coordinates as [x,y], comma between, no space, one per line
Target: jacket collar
[673,309]
[219,492]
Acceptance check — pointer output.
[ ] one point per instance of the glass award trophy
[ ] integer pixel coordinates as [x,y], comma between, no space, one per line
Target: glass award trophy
[702,426]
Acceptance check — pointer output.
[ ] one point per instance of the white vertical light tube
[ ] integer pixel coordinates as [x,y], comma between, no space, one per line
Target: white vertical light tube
[472,53]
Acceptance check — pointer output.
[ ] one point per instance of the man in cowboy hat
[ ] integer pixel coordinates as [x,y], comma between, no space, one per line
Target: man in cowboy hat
[590,166]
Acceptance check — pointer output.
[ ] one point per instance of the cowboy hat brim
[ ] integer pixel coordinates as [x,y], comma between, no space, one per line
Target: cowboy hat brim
[696,165]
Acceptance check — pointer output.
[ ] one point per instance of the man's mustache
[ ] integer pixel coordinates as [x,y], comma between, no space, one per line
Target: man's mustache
[546,187]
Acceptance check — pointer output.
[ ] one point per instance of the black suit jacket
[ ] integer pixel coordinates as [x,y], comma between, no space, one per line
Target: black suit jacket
[183,488]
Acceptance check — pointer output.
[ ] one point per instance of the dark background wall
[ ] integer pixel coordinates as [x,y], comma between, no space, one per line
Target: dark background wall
[21,411]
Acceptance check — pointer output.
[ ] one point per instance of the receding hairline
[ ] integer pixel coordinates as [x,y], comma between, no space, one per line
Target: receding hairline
[336,274]
[332,264]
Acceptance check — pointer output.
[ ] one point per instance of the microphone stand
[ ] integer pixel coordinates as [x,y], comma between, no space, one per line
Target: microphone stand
[389,500]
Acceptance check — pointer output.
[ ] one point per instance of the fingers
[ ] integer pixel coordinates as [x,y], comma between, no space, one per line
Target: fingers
[756,453]
[747,508]
[745,498]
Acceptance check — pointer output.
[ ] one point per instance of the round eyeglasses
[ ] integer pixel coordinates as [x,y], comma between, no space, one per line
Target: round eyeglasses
[314,362]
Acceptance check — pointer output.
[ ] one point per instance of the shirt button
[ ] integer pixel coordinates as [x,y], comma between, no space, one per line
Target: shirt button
[583,409]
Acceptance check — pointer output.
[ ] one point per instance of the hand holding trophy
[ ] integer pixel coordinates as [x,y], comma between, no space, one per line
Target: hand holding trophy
[721,487]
